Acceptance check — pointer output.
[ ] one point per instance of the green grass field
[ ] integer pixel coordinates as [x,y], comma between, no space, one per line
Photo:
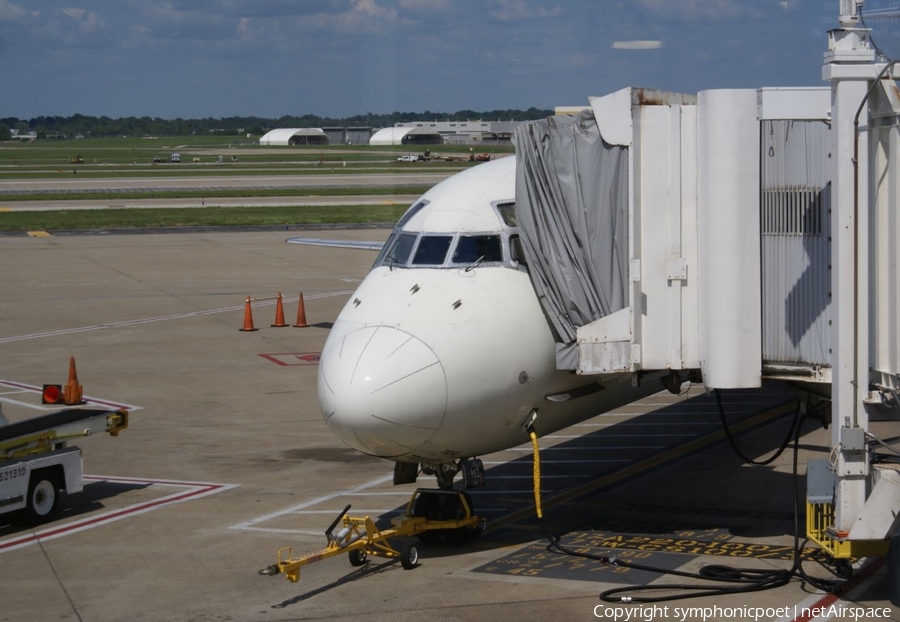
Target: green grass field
[75,220]
[16,157]
[217,155]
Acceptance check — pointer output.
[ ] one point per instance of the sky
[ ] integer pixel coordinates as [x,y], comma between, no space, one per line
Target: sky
[339,58]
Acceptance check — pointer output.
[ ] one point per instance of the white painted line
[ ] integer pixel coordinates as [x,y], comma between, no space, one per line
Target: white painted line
[194,490]
[837,603]
[400,493]
[177,316]
[30,388]
[521,491]
[586,447]
[291,532]
[543,477]
[645,424]
[530,465]
[250,524]
[381,512]
[651,435]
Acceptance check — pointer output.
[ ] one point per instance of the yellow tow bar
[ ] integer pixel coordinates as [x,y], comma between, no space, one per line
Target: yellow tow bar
[427,511]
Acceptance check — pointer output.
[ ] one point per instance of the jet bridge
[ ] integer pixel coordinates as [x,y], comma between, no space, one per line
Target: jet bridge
[745,233]
[658,224]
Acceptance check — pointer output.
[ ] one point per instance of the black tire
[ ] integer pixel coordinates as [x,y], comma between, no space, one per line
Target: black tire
[44,497]
[357,557]
[431,536]
[409,556]
[458,537]
[843,569]
[427,506]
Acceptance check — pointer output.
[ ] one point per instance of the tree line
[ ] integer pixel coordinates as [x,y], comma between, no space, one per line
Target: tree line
[103,127]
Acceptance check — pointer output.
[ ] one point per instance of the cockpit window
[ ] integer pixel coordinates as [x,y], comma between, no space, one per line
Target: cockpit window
[432,250]
[397,249]
[412,211]
[508,214]
[408,249]
[480,248]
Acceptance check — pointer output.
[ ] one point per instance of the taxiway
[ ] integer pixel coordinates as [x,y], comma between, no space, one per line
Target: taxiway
[227,458]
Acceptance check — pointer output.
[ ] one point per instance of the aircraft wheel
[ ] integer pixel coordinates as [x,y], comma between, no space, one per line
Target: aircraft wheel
[409,556]
[43,497]
[357,557]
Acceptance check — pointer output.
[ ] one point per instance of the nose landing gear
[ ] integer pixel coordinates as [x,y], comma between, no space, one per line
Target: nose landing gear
[472,471]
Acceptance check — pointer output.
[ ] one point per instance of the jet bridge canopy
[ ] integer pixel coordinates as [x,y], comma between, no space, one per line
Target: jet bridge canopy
[572,211]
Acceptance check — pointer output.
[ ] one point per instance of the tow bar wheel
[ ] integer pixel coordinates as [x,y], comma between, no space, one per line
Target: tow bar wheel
[357,557]
[409,556]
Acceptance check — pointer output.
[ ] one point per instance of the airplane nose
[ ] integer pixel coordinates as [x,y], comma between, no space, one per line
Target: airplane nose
[382,390]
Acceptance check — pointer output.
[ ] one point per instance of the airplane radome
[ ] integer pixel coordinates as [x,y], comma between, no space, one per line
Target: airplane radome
[443,353]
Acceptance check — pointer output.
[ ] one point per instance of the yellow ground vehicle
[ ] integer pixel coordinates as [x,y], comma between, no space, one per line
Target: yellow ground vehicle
[426,517]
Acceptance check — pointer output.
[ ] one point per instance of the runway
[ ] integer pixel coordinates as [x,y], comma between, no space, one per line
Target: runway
[119,203]
[227,459]
[80,185]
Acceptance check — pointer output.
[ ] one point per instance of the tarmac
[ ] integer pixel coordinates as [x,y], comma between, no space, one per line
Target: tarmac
[226,460]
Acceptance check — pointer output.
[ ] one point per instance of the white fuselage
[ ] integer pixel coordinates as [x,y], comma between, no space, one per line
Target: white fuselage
[444,354]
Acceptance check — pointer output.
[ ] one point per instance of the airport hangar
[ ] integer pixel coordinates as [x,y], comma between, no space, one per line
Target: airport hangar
[431,133]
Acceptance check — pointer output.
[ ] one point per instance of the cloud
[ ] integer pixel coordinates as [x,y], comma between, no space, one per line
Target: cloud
[701,10]
[87,21]
[362,16]
[425,6]
[638,44]
[12,13]
[50,28]
[250,8]
[518,10]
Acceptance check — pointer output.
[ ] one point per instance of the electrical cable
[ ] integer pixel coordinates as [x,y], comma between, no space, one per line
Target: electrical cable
[862,20]
[875,438]
[731,441]
[747,580]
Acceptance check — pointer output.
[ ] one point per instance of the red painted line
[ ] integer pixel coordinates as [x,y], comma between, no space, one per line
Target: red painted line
[144,480]
[197,490]
[829,599]
[307,358]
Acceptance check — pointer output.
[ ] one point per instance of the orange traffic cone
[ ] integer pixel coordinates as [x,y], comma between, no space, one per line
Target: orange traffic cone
[301,314]
[279,314]
[248,317]
[72,392]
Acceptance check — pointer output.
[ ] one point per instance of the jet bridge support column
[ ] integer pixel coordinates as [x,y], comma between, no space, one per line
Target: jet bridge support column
[853,506]
[849,67]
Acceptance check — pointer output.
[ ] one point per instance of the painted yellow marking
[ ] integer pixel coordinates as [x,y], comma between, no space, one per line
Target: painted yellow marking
[5,209]
[38,234]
